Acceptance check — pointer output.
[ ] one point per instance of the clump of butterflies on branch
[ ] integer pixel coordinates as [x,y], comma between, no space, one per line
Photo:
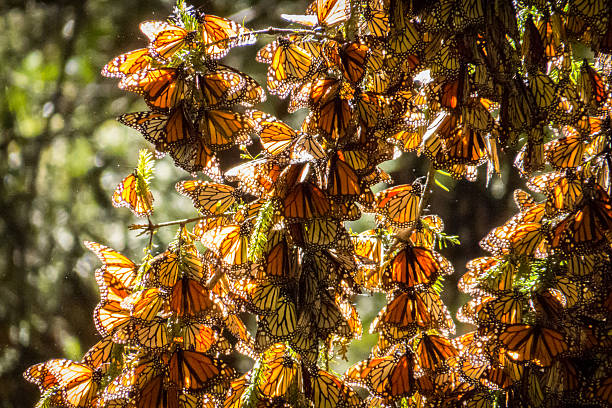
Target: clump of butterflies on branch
[456,81]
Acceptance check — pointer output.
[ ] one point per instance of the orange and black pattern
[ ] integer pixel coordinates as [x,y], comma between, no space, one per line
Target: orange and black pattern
[459,82]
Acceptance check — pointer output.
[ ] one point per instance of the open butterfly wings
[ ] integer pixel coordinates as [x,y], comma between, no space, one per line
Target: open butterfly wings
[325,13]
[361,94]
[131,194]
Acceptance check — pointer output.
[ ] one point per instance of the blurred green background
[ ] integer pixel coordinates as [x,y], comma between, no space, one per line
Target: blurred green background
[62,154]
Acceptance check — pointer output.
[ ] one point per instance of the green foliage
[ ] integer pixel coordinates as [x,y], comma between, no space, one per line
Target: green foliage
[144,172]
[263,225]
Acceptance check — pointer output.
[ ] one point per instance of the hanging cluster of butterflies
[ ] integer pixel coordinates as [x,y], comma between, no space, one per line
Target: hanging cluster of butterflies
[162,334]
[457,81]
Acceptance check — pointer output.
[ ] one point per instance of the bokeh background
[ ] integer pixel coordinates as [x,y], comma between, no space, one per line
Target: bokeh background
[62,154]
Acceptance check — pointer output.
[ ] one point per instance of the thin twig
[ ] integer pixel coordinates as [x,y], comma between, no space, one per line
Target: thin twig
[152,227]
[269,31]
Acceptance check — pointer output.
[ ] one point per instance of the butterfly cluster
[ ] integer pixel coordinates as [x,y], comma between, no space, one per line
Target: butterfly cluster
[457,81]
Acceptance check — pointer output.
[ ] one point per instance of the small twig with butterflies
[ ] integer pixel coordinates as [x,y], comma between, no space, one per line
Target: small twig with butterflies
[150,227]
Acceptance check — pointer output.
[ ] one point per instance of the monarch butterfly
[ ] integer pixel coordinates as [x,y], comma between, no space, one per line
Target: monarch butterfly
[564,189]
[134,194]
[275,136]
[589,125]
[112,288]
[144,304]
[322,13]
[201,338]
[390,377]
[523,199]
[591,87]
[453,139]
[433,352]
[533,343]
[290,64]
[282,372]
[368,108]
[604,391]
[533,45]
[500,240]
[166,39]
[349,312]
[446,62]
[220,34]
[110,317]
[276,261]
[208,198]
[237,328]
[116,266]
[190,298]
[100,354]
[342,182]
[152,335]
[543,90]
[585,228]
[334,116]
[257,177]
[470,348]
[221,129]
[327,317]
[550,304]
[571,291]
[470,13]
[312,93]
[376,19]
[229,243]
[281,323]
[165,269]
[399,204]
[307,148]
[305,343]
[236,392]
[453,94]
[163,130]
[407,312]
[196,156]
[226,87]
[475,269]
[118,310]
[128,63]
[75,384]
[305,201]
[262,297]
[562,376]
[369,253]
[319,234]
[528,239]
[516,109]
[424,235]
[196,371]
[161,88]
[133,380]
[412,266]
[325,390]
[351,58]
[505,309]
[405,40]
